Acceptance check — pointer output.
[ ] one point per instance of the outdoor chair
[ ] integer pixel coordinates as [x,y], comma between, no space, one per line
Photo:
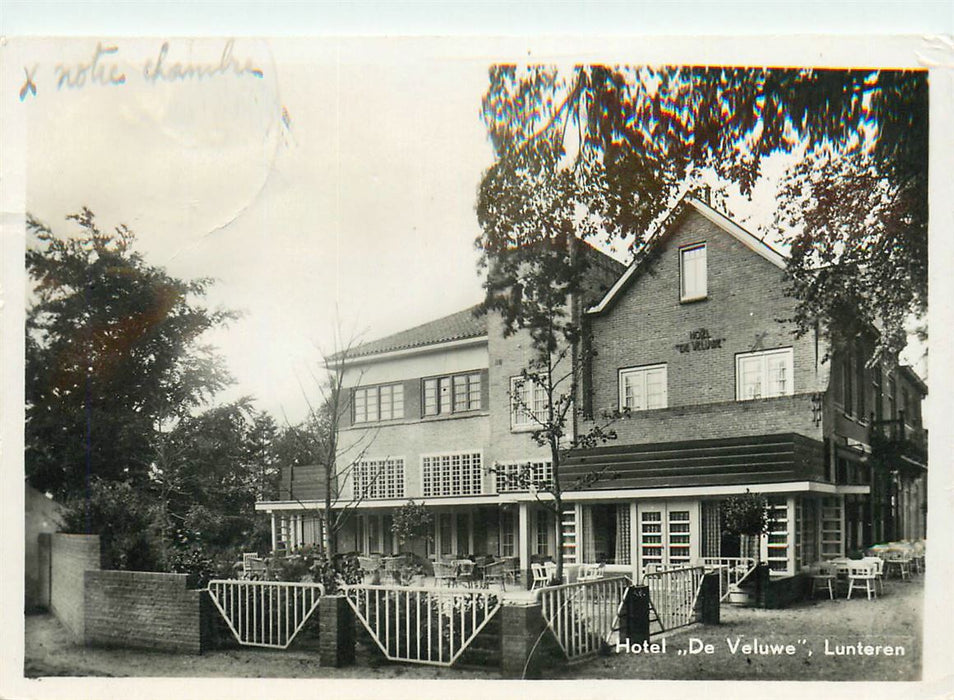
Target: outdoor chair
[551,569]
[496,572]
[370,568]
[465,572]
[878,564]
[513,569]
[899,561]
[591,572]
[541,578]
[822,576]
[917,556]
[253,566]
[444,572]
[861,574]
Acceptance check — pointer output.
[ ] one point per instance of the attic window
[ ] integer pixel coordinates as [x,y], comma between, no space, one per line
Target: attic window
[692,272]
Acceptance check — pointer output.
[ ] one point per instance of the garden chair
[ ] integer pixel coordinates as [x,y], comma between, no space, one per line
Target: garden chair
[822,576]
[541,578]
[900,561]
[466,573]
[444,572]
[513,569]
[370,568]
[253,566]
[496,572]
[878,564]
[861,574]
[591,572]
[551,569]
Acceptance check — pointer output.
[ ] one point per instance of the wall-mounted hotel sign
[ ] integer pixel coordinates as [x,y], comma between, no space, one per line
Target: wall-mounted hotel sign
[700,339]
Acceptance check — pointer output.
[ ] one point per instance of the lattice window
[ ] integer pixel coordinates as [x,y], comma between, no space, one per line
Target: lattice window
[379,478]
[516,477]
[452,475]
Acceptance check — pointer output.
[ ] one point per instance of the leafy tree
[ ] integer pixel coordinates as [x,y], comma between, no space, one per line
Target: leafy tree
[209,477]
[412,521]
[126,519]
[113,354]
[747,515]
[602,151]
[540,289]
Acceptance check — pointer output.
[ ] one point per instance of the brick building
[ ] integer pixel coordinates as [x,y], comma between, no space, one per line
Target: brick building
[718,396]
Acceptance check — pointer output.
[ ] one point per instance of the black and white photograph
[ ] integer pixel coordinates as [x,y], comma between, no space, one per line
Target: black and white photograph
[390,359]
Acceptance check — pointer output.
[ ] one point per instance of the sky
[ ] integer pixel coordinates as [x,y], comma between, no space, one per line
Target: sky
[328,185]
[336,191]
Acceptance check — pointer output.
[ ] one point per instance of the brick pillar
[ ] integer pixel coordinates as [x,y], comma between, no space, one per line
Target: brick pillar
[709,599]
[336,632]
[634,621]
[525,641]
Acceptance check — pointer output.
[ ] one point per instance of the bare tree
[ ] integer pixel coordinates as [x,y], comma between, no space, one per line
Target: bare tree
[337,463]
[546,395]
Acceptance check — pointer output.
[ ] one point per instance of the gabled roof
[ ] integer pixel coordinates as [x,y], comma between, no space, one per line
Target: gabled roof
[747,239]
[461,325]
[466,324]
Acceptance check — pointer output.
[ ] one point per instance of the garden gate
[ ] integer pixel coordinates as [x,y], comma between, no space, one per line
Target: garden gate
[265,613]
[673,594]
[422,625]
[584,615]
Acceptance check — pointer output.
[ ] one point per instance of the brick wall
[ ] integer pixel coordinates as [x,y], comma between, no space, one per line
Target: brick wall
[144,610]
[744,304]
[71,557]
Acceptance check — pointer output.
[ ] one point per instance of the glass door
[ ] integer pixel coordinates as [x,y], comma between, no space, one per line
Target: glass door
[668,534]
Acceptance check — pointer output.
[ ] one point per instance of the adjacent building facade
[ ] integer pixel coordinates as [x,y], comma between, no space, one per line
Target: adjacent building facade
[714,393]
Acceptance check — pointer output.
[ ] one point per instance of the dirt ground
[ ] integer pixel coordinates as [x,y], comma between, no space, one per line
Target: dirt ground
[894,619]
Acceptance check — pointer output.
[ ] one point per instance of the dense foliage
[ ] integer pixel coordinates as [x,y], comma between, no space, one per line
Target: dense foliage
[113,353]
[602,152]
[117,382]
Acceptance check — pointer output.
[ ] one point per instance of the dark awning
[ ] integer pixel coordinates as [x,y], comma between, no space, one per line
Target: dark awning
[724,461]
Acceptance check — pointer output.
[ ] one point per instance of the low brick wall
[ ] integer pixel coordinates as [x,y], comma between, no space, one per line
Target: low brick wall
[144,610]
[71,557]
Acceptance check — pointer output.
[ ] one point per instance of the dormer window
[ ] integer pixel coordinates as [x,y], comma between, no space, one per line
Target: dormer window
[692,272]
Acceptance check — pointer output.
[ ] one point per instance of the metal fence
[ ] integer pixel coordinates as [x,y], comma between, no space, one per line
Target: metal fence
[422,625]
[673,594]
[584,615]
[731,570]
[265,613]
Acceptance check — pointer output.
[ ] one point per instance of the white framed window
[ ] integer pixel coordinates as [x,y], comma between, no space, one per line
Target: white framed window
[643,388]
[760,375]
[379,478]
[776,542]
[374,403]
[516,477]
[452,394]
[457,474]
[692,272]
[528,403]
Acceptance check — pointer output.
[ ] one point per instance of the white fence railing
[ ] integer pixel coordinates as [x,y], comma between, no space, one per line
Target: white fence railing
[265,613]
[673,594]
[732,571]
[422,625]
[584,615]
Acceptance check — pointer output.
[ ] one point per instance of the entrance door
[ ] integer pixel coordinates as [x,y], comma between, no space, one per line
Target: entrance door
[668,533]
